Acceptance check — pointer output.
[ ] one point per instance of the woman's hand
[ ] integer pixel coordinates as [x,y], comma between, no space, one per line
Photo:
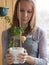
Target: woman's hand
[22,57]
[9,58]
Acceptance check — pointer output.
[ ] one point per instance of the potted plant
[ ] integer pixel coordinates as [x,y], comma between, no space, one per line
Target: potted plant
[15,32]
[14,50]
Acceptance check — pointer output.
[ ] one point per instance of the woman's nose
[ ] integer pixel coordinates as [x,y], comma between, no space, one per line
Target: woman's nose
[25,14]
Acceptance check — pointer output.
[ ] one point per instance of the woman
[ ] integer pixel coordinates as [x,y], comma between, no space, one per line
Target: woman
[35,44]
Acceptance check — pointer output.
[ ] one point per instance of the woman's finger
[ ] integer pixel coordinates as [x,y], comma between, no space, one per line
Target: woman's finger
[9,58]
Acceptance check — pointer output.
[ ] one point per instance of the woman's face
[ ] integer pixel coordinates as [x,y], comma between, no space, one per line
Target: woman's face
[26,11]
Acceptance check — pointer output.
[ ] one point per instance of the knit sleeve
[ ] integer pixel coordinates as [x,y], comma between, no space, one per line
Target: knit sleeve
[42,50]
[4,46]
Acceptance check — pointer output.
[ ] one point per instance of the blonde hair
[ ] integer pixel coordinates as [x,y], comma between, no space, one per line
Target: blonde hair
[33,21]
[31,24]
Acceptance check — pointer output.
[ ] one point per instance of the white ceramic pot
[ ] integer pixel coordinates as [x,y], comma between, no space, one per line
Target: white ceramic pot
[15,51]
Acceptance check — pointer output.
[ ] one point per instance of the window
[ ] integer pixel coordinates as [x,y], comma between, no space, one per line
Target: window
[43,18]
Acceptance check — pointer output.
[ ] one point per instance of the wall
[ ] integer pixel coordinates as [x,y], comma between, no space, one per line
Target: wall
[3,25]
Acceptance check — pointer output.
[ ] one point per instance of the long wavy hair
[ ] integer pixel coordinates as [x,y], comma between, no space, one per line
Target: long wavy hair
[32,22]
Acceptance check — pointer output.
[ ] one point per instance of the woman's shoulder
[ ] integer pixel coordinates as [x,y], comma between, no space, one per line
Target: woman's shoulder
[40,31]
[5,33]
[38,34]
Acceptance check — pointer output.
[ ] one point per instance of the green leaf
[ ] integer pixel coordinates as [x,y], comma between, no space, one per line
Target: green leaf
[16,30]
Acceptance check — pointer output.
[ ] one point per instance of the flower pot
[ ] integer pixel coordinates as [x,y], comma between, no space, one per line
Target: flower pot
[3,11]
[15,51]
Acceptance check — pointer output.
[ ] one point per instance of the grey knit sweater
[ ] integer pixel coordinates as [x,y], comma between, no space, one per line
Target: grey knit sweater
[35,45]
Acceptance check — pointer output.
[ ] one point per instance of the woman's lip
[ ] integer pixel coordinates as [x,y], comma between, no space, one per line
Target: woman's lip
[24,20]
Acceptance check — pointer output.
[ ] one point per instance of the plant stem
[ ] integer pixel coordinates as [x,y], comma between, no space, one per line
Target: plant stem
[14,41]
[20,24]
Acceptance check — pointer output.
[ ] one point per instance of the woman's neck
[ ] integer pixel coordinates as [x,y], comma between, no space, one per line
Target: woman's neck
[24,26]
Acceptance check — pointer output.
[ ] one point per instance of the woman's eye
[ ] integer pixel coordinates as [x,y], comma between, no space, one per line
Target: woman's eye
[29,11]
[24,11]
[21,10]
